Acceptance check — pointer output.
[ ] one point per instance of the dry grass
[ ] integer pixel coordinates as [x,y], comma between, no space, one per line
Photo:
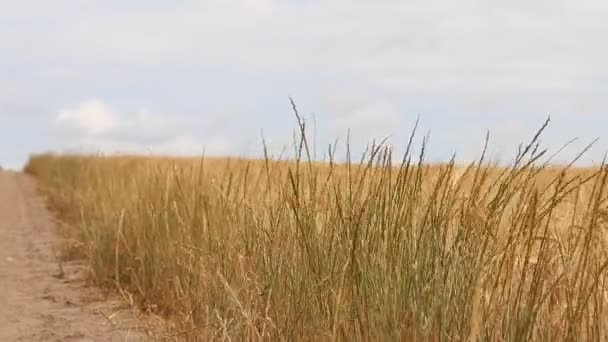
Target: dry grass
[230,249]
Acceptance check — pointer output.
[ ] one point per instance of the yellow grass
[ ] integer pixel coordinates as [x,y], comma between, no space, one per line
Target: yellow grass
[233,249]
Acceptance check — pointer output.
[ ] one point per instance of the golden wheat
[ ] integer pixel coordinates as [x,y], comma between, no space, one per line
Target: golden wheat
[294,250]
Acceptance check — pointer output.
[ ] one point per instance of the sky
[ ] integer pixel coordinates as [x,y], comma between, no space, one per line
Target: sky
[182,77]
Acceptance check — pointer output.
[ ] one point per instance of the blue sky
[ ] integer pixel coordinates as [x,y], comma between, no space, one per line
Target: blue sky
[176,77]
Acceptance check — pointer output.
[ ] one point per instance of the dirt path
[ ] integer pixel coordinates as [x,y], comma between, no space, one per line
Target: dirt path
[37,302]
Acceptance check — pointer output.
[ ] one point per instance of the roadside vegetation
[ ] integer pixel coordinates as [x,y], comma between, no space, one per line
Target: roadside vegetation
[384,248]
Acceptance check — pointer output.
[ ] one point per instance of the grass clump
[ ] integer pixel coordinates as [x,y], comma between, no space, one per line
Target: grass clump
[234,249]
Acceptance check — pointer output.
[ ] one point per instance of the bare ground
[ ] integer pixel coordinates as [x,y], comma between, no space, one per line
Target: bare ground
[39,300]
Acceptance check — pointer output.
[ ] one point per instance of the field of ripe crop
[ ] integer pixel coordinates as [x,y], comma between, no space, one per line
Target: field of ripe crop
[294,250]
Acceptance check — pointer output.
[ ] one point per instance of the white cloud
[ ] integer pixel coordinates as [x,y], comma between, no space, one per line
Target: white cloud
[375,120]
[95,126]
[95,119]
[92,117]
[94,123]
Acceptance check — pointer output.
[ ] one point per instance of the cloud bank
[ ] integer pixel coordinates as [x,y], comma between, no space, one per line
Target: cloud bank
[217,72]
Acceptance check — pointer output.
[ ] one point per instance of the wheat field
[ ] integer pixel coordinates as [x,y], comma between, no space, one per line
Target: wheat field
[377,250]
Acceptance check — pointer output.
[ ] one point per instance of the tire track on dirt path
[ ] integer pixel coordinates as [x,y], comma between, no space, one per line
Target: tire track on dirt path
[37,301]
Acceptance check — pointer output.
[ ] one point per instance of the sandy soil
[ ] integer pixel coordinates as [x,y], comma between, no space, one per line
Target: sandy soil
[39,301]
